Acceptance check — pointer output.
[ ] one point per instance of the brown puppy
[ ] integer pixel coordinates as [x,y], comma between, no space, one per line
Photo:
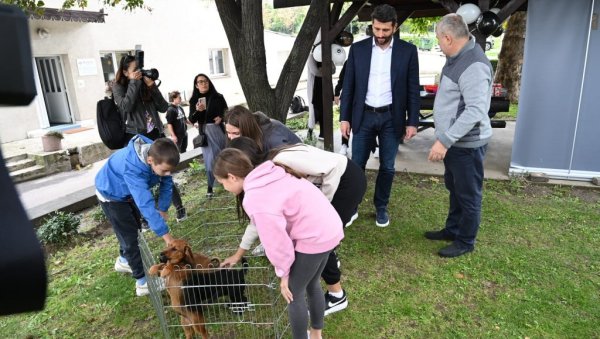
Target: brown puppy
[176,261]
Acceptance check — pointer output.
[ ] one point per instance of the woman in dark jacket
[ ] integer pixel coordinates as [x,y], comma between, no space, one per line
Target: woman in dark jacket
[207,107]
[139,101]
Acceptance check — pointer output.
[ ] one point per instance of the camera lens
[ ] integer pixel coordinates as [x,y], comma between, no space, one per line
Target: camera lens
[150,73]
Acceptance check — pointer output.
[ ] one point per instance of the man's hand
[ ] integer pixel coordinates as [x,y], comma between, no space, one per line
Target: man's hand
[345,129]
[168,238]
[336,100]
[411,131]
[285,290]
[438,152]
[217,120]
[174,138]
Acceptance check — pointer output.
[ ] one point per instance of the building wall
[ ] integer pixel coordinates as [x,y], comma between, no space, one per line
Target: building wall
[176,37]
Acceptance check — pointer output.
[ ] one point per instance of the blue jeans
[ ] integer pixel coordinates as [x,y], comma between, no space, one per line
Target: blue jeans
[125,220]
[378,125]
[463,177]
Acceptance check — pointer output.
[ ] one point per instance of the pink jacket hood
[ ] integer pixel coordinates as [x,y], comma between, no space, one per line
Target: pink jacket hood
[291,215]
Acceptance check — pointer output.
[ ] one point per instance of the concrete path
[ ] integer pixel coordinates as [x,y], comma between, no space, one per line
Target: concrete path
[75,190]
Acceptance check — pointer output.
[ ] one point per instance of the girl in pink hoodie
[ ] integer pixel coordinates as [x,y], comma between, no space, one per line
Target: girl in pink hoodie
[296,224]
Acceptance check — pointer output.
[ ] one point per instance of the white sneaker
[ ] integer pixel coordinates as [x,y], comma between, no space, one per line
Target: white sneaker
[259,251]
[141,290]
[122,267]
[343,150]
[160,283]
[354,217]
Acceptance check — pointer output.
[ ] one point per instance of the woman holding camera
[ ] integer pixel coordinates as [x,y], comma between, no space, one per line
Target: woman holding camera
[139,100]
[207,107]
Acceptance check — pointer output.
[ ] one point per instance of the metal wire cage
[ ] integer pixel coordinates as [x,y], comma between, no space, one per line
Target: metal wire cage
[240,302]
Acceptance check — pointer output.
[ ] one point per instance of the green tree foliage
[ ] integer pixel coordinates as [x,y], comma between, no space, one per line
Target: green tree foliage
[419,26]
[284,20]
[36,6]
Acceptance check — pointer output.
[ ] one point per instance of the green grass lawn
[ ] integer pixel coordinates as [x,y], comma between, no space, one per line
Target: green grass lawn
[510,115]
[534,273]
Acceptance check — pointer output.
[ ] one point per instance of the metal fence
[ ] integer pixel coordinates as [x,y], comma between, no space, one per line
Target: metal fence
[241,302]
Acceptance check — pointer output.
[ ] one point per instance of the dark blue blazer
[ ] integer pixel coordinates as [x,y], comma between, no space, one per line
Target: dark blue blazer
[406,100]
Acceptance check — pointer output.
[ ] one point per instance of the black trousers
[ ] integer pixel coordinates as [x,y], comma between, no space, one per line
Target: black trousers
[125,220]
[347,197]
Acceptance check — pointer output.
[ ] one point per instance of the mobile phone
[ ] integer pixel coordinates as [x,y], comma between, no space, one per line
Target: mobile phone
[202,101]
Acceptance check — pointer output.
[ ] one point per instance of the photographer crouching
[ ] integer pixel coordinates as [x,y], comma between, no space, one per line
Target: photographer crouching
[139,100]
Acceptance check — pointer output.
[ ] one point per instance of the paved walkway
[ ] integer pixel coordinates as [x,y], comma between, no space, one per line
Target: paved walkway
[44,195]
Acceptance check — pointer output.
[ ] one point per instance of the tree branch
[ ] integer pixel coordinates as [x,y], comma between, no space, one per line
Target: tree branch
[346,18]
[292,69]
[509,9]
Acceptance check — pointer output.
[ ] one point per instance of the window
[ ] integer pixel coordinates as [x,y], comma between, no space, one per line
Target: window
[110,64]
[217,60]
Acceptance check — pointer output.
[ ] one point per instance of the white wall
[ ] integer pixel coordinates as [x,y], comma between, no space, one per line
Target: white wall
[176,37]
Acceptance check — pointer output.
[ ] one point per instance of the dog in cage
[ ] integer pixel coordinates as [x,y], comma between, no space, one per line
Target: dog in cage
[194,280]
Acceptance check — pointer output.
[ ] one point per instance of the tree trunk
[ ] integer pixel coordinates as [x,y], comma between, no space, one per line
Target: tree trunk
[510,59]
[243,25]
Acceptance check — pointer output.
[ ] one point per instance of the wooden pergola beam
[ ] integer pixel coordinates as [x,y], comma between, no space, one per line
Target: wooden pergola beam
[346,18]
[508,9]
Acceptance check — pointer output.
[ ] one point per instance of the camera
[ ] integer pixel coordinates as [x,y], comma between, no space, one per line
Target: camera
[148,73]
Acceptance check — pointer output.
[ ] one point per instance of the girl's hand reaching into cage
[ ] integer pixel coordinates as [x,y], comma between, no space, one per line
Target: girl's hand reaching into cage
[234,259]
[231,261]
[285,290]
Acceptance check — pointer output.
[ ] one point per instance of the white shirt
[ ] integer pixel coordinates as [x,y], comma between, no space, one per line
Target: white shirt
[379,90]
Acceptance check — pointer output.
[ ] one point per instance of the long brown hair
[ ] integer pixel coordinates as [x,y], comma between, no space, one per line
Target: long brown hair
[235,162]
[241,117]
[122,79]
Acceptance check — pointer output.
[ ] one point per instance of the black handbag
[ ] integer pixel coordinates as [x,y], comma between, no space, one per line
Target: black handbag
[202,139]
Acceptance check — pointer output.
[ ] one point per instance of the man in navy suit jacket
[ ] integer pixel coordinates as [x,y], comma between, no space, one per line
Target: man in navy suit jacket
[380,98]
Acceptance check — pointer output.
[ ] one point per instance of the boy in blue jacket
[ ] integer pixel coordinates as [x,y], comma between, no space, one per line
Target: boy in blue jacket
[123,187]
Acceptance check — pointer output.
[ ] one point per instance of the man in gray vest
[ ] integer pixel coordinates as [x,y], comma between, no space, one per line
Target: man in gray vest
[462,131]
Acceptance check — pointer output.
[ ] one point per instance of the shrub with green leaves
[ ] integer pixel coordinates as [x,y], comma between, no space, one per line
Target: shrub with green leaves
[297,124]
[58,228]
[196,167]
[98,215]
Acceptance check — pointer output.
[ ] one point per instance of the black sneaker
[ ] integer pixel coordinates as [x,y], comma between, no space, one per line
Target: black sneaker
[439,235]
[145,226]
[455,250]
[181,215]
[209,192]
[333,304]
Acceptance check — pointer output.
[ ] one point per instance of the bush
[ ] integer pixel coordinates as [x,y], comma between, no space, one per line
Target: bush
[196,167]
[58,228]
[298,123]
[98,215]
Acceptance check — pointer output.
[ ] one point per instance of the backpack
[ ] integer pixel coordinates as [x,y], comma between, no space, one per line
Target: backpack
[298,105]
[111,126]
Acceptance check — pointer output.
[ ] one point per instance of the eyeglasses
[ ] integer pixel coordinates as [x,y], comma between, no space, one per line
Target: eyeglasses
[202,82]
